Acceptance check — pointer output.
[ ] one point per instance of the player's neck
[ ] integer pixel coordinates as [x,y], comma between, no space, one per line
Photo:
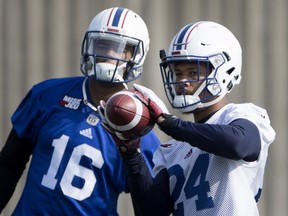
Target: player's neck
[102,91]
[202,113]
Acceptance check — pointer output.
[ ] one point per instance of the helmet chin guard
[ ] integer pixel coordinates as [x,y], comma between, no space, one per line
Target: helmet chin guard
[192,102]
[107,72]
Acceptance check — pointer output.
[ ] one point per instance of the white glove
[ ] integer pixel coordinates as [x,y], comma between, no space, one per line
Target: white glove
[151,100]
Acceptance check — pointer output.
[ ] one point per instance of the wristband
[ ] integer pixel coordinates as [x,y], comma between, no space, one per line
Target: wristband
[166,124]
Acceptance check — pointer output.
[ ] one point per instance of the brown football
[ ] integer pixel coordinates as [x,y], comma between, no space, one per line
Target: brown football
[125,113]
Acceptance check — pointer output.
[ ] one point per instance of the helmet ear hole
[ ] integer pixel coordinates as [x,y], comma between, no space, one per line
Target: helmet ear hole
[230,70]
[88,65]
[227,56]
[229,86]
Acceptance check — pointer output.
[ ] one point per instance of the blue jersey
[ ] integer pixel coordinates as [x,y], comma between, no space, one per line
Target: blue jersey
[76,168]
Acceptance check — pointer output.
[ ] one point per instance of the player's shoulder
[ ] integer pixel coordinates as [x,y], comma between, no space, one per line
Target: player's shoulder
[56,87]
[242,107]
[249,110]
[58,82]
[233,111]
[255,114]
[246,107]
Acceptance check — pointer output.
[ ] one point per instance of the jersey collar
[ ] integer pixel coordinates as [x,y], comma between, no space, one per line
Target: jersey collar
[85,100]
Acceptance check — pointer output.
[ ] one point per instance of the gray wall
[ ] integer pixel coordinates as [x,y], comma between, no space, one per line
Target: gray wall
[41,39]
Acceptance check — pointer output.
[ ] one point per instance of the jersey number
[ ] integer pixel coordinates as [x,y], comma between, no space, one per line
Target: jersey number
[73,169]
[196,185]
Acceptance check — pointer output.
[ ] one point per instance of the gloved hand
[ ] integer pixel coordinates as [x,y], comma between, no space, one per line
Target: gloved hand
[151,100]
[124,145]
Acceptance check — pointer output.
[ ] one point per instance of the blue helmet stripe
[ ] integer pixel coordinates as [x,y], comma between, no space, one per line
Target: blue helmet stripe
[117,16]
[181,36]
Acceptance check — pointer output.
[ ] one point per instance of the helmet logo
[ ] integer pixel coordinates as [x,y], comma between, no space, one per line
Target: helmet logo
[206,44]
[113,30]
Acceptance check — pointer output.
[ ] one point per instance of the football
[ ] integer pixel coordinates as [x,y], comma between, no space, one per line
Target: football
[125,113]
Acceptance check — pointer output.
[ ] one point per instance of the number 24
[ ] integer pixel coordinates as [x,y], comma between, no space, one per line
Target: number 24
[191,189]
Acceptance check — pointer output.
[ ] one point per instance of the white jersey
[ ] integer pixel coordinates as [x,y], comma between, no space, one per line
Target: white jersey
[202,183]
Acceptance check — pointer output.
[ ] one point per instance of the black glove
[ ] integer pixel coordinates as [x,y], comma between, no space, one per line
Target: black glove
[127,147]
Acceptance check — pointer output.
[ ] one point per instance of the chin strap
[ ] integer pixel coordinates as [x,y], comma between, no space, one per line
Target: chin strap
[178,100]
[213,101]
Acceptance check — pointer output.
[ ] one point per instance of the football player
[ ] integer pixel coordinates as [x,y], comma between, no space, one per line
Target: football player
[75,167]
[215,164]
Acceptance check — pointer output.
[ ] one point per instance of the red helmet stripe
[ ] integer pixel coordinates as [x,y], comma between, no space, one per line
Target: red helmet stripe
[116,16]
[110,16]
[124,18]
[184,35]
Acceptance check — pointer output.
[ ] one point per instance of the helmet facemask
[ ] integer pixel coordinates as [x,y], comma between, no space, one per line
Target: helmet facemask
[105,57]
[117,29]
[205,94]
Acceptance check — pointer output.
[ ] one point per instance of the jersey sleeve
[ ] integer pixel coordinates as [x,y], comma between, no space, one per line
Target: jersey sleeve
[237,132]
[25,115]
[148,146]
[13,159]
[257,116]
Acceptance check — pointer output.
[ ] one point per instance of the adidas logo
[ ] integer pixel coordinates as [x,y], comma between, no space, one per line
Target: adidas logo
[87,133]
[166,145]
[189,153]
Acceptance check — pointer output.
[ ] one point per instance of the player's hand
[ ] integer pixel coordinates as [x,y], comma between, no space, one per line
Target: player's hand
[124,145]
[152,101]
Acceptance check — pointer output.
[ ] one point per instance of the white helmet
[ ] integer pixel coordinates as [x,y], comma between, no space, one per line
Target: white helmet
[114,28]
[207,42]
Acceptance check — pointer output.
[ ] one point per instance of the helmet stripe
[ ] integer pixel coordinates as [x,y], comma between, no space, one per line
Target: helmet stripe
[182,40]
[117,17]
[124,18]
[110,16]
[180,37]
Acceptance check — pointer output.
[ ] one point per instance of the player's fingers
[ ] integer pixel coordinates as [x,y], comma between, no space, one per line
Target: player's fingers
[145,91]
[102,104]
[140,88]
[141,97]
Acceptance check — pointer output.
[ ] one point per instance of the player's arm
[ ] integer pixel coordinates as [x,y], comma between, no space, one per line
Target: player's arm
[238,140]
[150,196]
[13,159]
